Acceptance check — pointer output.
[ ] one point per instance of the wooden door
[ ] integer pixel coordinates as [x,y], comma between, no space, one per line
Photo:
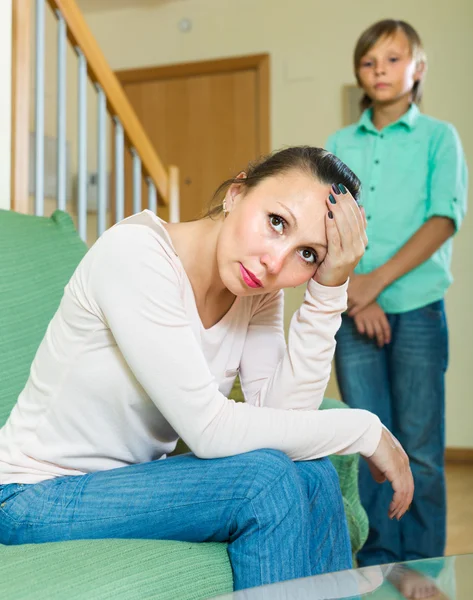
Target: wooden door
[208,124]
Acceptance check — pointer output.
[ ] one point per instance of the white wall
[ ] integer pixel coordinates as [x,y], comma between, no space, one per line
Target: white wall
[50,116]
[310,43]
[5,100]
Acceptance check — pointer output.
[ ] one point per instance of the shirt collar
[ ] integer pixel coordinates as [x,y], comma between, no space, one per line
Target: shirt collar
[408,119]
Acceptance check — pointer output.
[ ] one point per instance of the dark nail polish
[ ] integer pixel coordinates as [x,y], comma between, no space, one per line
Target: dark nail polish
[330,214]
[335,188]
[332,199]
[343,189]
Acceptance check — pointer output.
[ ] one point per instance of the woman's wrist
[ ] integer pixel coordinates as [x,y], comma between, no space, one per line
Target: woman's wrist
[331,290]
[372,435]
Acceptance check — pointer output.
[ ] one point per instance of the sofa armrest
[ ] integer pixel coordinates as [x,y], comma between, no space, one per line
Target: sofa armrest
[347,469]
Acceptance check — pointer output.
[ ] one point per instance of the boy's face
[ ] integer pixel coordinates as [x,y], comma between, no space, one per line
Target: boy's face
[388,71]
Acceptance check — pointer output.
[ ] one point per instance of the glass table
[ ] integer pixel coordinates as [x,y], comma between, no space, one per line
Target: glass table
[447,578]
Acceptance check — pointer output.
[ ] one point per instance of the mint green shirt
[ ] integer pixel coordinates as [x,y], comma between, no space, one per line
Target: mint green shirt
[412,170]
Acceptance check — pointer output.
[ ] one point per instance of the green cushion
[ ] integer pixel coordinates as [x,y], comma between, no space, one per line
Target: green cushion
[37,257]
[347,469]
[111,569]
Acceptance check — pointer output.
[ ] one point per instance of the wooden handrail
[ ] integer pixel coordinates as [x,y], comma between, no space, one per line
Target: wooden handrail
[21,28]
[118,104]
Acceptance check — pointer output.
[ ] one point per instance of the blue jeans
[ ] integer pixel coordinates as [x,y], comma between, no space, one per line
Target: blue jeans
[282,520]
[404,384]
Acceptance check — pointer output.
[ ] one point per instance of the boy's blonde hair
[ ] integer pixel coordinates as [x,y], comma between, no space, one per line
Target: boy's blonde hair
[387,28]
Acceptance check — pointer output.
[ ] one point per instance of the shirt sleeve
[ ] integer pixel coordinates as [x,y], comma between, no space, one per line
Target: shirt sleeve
[296,376]
[448,177]
[136,289]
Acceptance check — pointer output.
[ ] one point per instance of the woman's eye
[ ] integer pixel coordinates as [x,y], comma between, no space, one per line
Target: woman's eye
[277,223]
[308,255]
[393,59]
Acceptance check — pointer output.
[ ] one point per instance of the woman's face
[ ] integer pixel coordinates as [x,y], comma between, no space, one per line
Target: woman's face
[274,235]
[388,71]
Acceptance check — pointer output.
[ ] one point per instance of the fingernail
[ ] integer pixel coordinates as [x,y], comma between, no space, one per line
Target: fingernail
[330,214]
[343,189]
[335,188]
[332,199]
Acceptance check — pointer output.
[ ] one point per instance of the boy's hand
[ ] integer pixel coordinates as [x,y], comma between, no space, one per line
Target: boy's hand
[362,291]
[372,321]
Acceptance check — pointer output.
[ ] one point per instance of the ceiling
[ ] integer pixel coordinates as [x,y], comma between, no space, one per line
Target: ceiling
[103,5]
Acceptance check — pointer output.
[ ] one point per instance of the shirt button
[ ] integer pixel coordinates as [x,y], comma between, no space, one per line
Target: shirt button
[372,188]
[382,136]
[368,217]
[376,162]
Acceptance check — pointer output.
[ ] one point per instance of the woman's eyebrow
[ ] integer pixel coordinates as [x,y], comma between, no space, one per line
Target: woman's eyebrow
[289,211]
[295,225]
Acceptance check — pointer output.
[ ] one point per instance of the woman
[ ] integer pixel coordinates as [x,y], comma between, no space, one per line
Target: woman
[152,330]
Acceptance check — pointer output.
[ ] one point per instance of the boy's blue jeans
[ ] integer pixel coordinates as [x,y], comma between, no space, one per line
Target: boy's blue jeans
[281,519]
[404,384]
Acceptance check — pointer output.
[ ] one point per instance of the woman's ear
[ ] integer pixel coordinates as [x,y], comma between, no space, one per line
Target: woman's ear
[234,192]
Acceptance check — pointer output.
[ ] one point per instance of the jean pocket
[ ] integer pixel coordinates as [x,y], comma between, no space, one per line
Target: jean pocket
[9,495]
[435,310]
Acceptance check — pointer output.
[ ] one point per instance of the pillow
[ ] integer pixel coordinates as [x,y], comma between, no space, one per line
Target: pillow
[37,258]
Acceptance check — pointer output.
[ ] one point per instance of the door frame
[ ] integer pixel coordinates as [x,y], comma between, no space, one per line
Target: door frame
[257,62]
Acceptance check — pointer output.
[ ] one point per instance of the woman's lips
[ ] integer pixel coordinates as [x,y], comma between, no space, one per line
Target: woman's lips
[250,279]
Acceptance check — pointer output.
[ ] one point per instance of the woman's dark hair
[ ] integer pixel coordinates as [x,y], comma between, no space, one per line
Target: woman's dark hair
[388,28]
[317,162]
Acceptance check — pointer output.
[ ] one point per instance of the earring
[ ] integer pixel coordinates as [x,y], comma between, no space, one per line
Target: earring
[224,207]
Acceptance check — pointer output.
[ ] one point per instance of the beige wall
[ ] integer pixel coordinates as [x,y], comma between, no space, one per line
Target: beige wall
[310,43]
[5,101]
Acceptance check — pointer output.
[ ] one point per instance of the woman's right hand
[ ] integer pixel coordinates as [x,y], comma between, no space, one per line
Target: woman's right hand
[390,462]
[372,321]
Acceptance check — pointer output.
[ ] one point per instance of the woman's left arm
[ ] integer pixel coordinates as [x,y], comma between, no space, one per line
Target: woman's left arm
[296,376]
[447,200]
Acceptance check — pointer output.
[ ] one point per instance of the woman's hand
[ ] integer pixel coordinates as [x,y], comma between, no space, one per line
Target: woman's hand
[362,291]
[390,462]
[346,238]
[373,322]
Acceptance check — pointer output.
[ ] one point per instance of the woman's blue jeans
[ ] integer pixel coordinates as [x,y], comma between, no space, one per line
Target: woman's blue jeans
[404,384]
[281,519]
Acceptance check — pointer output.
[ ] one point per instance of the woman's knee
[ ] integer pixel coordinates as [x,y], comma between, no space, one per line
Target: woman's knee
[268,468]
[320,480]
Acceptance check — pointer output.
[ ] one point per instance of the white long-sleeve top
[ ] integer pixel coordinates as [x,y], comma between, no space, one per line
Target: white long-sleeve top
[126,367]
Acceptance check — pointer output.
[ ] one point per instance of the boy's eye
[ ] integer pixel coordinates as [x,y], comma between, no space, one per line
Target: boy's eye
[277,223]
[393,59]
[308,255]
[366,63]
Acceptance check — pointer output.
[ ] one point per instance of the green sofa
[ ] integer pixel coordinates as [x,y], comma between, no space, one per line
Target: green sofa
[37,257]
